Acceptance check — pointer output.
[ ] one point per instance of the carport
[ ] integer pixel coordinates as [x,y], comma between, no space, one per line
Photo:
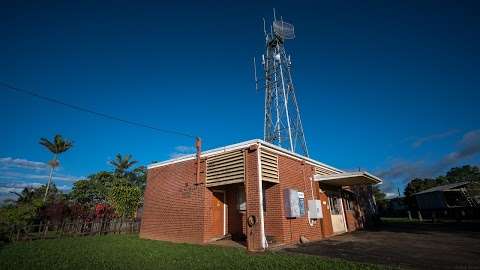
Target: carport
[344,216]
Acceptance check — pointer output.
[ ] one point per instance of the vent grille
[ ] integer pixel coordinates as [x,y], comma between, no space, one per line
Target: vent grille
[323,171]
[269,167]
[227,168]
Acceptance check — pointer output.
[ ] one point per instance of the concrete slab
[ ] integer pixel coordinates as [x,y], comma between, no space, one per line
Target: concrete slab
[416,246]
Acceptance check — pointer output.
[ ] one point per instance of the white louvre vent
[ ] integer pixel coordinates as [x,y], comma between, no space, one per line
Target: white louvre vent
[323,171]
[227,168]
[269,167]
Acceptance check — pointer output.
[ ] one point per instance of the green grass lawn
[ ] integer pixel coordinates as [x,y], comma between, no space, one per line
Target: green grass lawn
[131,252]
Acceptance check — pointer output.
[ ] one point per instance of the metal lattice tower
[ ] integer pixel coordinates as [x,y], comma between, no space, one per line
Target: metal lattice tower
[282,122]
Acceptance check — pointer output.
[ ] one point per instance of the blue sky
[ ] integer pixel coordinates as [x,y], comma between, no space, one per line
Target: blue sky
[387,86]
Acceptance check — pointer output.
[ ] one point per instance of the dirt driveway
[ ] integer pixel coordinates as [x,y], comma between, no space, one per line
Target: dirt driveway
[417,246]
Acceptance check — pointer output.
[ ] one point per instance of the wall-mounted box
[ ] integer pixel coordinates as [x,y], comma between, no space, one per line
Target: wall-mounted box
[315,209]
[291,203]
[301,203]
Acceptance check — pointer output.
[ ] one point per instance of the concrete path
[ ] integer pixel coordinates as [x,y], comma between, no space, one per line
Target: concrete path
[416,246]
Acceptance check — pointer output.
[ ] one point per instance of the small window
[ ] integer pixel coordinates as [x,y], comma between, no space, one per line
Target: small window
[241,205]
[335,207]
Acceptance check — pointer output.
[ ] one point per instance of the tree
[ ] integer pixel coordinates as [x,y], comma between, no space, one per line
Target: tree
[414,186]
[138,177]
[379,198]
[94,189]
[57,146]
[122,189]
[29,194]
[84,192]
[419,184]
[122,164]
[20,214]
[26,196]
[465,173]
[125,198]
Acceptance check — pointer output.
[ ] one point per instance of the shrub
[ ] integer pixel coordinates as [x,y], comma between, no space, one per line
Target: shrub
[125,199]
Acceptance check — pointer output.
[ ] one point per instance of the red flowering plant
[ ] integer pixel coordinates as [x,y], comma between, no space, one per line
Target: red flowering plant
[104,211]
[81,212]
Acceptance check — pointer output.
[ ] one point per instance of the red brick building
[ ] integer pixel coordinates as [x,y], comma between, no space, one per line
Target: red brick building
[257,193]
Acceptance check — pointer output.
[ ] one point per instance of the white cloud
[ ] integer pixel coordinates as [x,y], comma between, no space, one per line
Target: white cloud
[6,196]
[11,175]
[182,150]
[9,189]
[64,187]
[421,141]
[400,172]
[390,195]
[468,147]
[21,185]
[9,162]
[18,173]
[6,189]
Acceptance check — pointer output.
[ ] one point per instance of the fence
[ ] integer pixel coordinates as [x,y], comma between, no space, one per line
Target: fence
[50,231]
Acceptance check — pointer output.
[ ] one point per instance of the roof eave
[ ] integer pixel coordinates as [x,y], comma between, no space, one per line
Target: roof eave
[242,145]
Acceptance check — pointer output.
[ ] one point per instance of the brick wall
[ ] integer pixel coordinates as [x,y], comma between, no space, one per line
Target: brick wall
[176,209]
[297,175]
[174,206]
[236,219]
[254,240]
[273,212]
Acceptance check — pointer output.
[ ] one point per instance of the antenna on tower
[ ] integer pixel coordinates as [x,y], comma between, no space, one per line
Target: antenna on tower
[264,28]
[282,122]
[255,72]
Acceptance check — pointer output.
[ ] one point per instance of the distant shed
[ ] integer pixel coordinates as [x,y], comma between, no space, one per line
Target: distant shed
[444,197]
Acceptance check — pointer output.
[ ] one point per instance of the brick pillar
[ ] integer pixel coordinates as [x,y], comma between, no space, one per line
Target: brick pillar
[252,189]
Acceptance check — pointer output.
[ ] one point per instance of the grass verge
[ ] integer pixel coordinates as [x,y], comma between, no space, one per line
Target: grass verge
[131,252]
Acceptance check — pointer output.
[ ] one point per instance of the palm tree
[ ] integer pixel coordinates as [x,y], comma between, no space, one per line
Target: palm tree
[57,146]
[122,163]
[26,196]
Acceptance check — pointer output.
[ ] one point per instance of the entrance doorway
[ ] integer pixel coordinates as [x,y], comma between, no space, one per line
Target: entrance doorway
[336,211]
[218,213]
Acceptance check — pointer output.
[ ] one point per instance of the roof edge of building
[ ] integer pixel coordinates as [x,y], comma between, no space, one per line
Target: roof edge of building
[242,145]
[442,188]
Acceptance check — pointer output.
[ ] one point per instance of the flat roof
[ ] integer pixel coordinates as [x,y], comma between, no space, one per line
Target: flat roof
[243,145]
[348,179]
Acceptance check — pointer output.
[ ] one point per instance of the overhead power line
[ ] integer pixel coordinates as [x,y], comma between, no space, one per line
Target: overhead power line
[82,109]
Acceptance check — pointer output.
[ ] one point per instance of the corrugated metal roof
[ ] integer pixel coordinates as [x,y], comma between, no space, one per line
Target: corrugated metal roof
[442,188]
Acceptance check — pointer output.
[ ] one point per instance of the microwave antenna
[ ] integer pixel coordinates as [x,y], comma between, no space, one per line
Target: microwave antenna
[282,122]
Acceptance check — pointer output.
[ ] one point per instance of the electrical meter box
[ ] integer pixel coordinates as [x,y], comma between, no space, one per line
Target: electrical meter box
[291,203]
[315,209]
[301,203]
